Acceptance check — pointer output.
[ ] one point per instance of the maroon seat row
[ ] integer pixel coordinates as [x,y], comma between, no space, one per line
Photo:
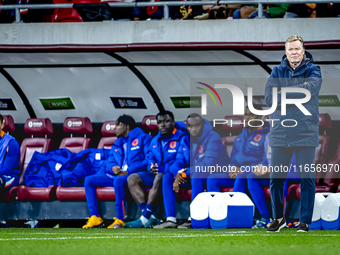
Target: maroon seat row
[38,129]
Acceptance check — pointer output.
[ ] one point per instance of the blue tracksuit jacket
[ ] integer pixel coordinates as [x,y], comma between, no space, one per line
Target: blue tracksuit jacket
[9,156]
[137,148]
[307,76]
[208,150]
[62,167]
[163,150]
[248,148]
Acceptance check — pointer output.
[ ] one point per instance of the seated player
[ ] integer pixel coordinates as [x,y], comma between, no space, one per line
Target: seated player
[247,154]
[128,155]
[9,160]
[163,150]
[202,149]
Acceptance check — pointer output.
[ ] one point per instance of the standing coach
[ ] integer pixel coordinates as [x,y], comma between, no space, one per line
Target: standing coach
[297,70]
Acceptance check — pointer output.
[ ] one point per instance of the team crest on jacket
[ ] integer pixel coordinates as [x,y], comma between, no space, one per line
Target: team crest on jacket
[200,149]
[257,138]
[173,145]
[135,142]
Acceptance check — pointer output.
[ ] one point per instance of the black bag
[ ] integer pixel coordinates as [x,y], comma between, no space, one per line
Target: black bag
[221,13]
[93,12]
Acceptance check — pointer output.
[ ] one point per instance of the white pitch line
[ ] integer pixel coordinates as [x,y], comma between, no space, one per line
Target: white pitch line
[26,233]
[167,236]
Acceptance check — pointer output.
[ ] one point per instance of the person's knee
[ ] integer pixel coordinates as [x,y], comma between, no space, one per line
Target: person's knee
[251,181]
[211,183]
[133,180]
[158,181]
[88,181]
[246,11]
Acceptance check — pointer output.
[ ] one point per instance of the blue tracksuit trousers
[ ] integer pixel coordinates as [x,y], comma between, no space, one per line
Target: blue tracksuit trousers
[102,180]
[282,156]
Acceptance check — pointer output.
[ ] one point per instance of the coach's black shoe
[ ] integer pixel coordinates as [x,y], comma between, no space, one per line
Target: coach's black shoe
[303,227]
[276,225]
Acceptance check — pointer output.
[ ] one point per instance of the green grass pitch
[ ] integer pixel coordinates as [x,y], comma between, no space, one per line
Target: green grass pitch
[66,241]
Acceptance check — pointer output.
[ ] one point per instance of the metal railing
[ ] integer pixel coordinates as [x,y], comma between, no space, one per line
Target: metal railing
[165,5]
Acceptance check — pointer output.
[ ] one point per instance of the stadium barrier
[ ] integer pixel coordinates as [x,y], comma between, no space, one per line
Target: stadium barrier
[165,5]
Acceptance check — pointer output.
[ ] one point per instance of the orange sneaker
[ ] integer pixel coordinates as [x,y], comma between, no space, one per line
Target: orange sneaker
[117,223]
[94,222]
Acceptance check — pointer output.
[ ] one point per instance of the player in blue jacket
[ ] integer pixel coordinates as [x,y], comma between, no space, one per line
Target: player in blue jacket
[247,154]
[128,155]
[198,152]
[9,159]
[163,150]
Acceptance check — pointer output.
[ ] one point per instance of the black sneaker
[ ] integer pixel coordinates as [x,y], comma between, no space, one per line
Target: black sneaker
[276,225]
[303,227]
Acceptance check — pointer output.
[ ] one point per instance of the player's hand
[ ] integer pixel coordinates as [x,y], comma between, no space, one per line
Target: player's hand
[116,170]
[180,179]
[175,186]
[234,172]
[154,168]
[260,170]
[123,173]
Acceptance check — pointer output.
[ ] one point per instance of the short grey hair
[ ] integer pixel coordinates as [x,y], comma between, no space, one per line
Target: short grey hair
[294,38]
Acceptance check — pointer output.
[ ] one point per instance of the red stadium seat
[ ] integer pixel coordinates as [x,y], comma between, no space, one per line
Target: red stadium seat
[38,127]
[325,124]
[109,135]
[8,124]
[227,189]
[36,194]
[63,15]
[291,193]
[331,180]
[71,194]
[78,125]
[266,191]
[34,127]
[183,195]
[233,127]
[149,124]
[78,193]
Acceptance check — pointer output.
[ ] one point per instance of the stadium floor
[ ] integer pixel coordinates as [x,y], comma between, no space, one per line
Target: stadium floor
[167,241]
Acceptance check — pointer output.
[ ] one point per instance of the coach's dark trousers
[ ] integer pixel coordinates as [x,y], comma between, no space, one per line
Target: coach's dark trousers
[281,157]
